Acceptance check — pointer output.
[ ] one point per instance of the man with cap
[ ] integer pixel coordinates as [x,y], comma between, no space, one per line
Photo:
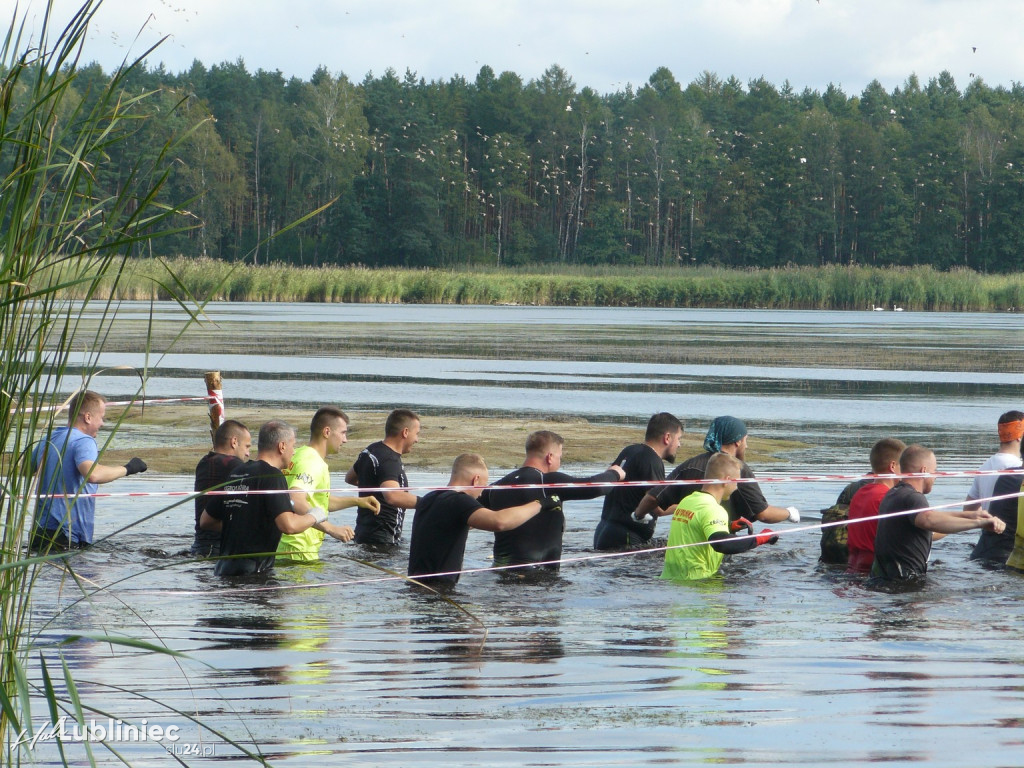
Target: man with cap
[1011,429]
[727,434]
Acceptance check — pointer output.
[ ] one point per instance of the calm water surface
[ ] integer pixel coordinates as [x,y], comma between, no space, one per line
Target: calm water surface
[780,661]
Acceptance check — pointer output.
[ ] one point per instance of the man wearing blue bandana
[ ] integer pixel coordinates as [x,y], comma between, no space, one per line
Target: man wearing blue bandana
[727,434]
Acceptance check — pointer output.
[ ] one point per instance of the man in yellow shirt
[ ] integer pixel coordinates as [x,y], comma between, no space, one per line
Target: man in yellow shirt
[309,477]
[701,522]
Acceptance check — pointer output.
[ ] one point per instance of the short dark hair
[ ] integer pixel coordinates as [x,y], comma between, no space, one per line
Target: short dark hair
[84,401]
[539,442]
[884,452]
[399,419]
[324,417]
[1009,416]
[272,433]
[660,423]
[912,457]
[227,430]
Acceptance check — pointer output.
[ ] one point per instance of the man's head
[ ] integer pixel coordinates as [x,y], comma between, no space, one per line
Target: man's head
[728,434]
[1011,429]
[469,469]
[664,431]
[329,424]
[86,411]
[402,429]
[723,466]
[544,450]
[916,458]
[885,456]
[276,443]
[233,438]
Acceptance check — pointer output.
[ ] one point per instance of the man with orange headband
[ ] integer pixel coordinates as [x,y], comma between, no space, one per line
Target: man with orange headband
[1011,429]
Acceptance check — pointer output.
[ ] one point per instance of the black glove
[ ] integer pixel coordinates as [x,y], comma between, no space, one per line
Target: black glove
[134,466]
[550,503]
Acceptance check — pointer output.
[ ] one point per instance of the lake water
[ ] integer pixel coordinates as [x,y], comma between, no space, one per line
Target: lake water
[779,661]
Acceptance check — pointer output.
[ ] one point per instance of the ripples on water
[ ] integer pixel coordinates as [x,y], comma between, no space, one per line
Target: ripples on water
[780,661]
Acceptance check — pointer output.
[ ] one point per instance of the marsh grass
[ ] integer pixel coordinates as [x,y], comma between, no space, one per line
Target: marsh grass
[830,287]
[64,236]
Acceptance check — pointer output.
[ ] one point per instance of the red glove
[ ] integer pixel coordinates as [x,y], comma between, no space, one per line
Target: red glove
[767,536]
[741,524]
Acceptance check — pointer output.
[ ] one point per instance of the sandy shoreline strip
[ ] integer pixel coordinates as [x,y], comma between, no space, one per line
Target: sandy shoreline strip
[172,438]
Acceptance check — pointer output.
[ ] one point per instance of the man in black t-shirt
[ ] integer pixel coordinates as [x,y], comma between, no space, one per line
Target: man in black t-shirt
[540,540]
[443,519]
[904,542]
[728,435]
[231,444]
[260,509]
[380,466]
[642,461]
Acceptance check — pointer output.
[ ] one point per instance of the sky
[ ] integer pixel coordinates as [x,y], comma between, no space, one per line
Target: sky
[603,44]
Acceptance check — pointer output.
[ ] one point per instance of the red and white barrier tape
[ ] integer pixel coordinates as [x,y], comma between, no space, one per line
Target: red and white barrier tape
[556,486]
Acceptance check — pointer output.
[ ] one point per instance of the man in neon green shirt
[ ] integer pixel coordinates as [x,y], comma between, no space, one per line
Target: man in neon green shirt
[700,531]
[309,477]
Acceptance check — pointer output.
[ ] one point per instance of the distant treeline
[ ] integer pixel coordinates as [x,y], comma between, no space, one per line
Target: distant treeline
[499,172]
[829,287]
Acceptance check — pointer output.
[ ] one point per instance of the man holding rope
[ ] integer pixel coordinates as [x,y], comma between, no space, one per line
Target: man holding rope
[256,507]
[443,518]
[728,435]
[904,541]
[66,508]
[309,479]
[642,461]
[700,517]
[539,540]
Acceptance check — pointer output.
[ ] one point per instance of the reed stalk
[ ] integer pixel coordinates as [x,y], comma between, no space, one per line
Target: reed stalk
[67,232]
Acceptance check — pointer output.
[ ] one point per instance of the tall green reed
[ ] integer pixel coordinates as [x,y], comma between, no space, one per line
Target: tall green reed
[67,233]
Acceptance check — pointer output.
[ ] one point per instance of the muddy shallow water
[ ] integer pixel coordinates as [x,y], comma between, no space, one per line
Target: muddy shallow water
[779,661]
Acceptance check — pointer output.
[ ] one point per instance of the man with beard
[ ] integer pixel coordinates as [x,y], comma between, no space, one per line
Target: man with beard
[727,434]
[642,461]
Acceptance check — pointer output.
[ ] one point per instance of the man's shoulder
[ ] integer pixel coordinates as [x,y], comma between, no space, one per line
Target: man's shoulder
[1001,460]
[693,468]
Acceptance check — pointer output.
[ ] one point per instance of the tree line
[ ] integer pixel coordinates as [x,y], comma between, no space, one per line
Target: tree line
[498,171]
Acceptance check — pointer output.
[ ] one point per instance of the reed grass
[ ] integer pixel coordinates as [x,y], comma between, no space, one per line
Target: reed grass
[64,238]
[829,287]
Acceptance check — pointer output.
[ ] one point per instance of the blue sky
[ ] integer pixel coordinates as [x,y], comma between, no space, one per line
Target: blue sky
[603,44]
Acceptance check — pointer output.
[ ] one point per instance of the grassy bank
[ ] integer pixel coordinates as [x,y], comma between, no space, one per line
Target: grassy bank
[856,288]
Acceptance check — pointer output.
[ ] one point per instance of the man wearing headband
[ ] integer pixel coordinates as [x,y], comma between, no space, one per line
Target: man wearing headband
[727,434]
[1011,429]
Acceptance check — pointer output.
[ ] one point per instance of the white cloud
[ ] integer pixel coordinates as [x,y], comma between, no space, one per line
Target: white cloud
[600,43]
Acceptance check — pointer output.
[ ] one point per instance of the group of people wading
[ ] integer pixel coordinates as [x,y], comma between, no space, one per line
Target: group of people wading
[274,508]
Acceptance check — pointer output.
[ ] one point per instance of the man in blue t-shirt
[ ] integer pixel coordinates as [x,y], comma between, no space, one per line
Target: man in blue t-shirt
[69,476]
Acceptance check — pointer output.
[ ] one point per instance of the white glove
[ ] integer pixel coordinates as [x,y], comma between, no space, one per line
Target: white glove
[794,514]
[319,514]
